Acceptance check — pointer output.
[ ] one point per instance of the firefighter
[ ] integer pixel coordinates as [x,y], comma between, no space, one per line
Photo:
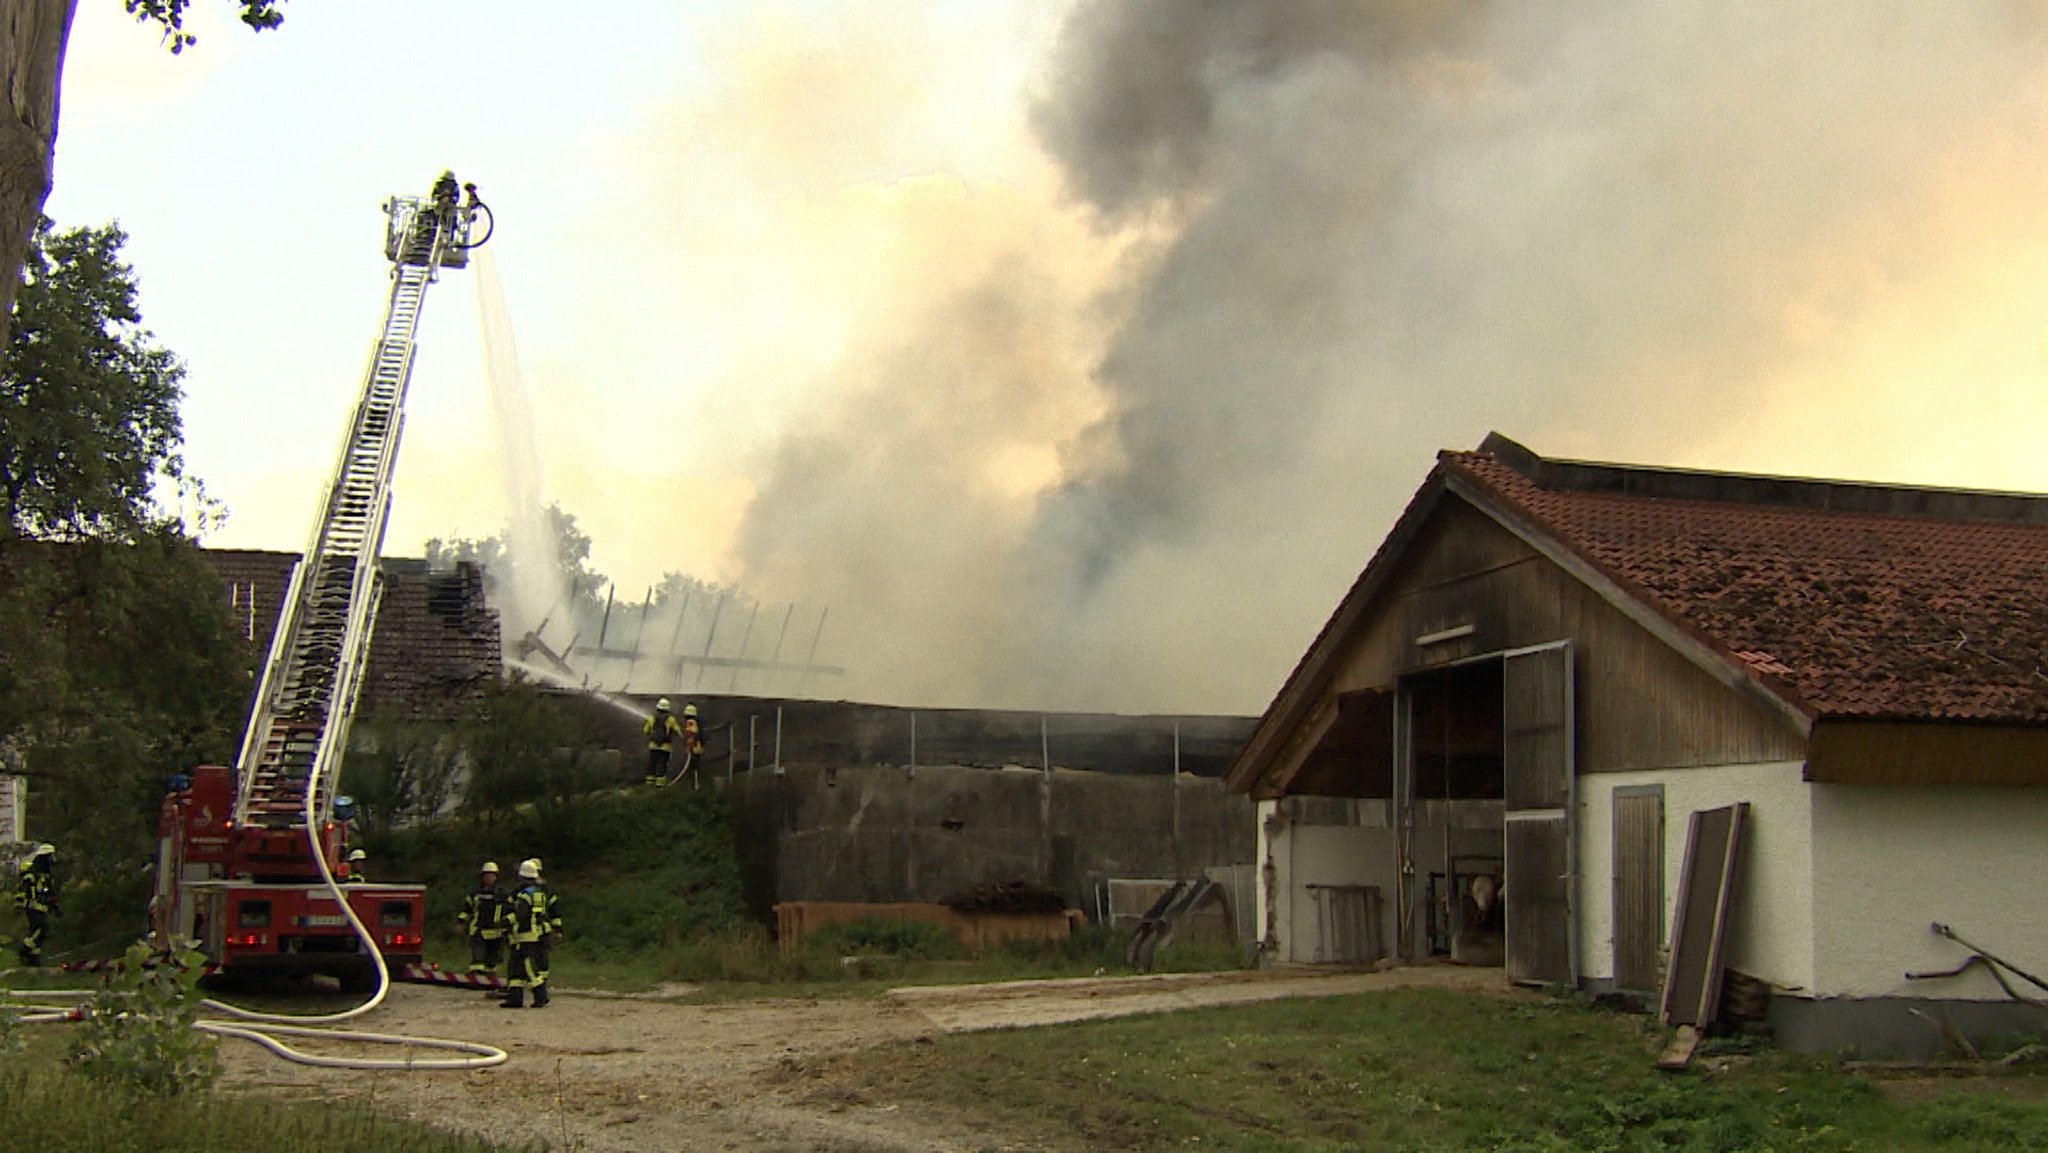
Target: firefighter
[533,921]
[483,921]
[693,736]
[661,731]
[35,894]
[358,861]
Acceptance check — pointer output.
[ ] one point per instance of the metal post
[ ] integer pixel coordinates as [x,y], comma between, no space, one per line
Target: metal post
[778,740]
[633,658]
[710,635]
[751,718]
[910,771]
[1044,749]
[1178,866]
[813,658]
[676,677]
[732,748]
[745,637]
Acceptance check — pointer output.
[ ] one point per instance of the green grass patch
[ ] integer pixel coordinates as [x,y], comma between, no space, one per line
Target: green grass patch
[51,1110]
[1420,1070]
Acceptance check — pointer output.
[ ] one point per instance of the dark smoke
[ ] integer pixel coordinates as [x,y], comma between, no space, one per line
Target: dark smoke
[1377,230]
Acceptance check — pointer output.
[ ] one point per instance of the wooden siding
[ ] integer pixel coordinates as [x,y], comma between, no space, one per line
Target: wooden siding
[1538,904]
[1878,753]
[1641,704]
[1638,886]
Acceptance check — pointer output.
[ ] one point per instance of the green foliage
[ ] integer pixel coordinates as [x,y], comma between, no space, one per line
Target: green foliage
[138,1033]
[637,872]
[400,771]
[88,404]
[260,15]
[571,573]
[534,748]
[51,1109]
[118,667]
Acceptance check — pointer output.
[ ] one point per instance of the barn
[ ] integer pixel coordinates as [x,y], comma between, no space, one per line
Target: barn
[1492,751]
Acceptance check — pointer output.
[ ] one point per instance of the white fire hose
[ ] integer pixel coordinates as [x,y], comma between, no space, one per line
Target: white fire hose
[243,1026]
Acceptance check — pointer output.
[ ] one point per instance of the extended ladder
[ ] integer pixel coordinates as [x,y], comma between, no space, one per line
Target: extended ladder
[298,726]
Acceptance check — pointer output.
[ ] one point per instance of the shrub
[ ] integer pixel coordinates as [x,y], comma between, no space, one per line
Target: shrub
[138,1032]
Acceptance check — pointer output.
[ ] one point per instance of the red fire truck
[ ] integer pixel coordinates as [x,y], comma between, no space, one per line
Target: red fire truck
[250,862]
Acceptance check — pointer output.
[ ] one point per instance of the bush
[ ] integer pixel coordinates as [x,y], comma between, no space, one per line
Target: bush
[138,1033]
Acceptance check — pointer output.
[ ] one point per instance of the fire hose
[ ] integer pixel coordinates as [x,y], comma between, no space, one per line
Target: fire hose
[244,1023]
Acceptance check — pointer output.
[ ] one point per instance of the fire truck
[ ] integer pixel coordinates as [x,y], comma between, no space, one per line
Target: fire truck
[250,860]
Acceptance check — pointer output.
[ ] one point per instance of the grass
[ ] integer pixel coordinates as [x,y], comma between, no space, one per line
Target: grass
[1418,1070]
[52,1110]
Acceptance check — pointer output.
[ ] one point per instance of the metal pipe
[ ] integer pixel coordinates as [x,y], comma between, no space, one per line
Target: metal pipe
[778,740]
[745,638]
[711,634]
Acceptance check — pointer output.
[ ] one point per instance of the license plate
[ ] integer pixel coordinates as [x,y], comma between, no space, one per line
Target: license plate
[318,921]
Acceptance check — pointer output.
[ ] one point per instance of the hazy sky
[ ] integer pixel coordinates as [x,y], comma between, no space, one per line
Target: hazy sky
[1079,355]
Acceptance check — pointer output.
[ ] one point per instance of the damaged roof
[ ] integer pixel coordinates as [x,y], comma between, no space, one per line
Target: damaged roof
[1848,601]
[1840,601]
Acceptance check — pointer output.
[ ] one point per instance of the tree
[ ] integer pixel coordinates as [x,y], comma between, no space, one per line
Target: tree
[88,404]
[571,582]
[33,35]
[118,662]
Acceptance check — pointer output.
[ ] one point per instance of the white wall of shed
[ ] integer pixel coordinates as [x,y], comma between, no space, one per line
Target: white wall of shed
[1891,861]
[1300,855]
[1772,933]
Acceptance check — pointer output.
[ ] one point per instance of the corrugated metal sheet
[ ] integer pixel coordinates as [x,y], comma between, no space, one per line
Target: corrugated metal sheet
[1638,886]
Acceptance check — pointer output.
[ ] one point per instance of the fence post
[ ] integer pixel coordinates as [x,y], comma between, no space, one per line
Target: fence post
[778,740]
[910,771]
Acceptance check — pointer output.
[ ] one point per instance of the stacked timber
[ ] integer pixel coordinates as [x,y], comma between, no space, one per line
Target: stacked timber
[1007,897]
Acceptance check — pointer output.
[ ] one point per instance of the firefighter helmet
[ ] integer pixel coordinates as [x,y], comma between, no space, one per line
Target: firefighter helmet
[358,855]
[490,867]
[661,706]
[46,849]
[689,710]
[529,869]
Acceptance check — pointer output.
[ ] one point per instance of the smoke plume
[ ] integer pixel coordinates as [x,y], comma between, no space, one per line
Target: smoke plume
[1123,449]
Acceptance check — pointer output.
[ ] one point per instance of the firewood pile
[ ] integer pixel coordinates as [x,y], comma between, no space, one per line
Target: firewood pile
[1007,897]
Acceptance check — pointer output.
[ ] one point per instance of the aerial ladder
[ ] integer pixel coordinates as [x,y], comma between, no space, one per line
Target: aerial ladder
[244,857]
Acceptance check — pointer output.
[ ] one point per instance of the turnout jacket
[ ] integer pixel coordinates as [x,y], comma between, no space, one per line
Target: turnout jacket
[483,912]
[533,913]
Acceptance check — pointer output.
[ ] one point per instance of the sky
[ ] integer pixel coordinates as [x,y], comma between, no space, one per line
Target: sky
[1078,355]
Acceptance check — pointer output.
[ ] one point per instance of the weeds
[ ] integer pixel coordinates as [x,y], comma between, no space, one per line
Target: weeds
[138,1031]
[52,1110]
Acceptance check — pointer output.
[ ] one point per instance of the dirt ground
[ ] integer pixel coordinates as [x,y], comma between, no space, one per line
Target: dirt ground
[605,1073]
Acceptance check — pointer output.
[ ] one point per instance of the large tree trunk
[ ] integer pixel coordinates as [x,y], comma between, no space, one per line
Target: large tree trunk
[32,38]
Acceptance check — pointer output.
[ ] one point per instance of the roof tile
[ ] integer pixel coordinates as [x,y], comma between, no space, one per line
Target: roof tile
[1848,614]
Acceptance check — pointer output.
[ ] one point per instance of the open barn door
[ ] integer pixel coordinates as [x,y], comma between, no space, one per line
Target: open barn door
[1538,788]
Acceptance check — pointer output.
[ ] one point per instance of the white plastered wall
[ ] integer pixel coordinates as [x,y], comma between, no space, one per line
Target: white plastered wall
[1293,856]
[1891,861]
[1772,932]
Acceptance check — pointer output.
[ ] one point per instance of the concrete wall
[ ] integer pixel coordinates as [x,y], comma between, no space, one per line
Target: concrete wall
[1307,841]
[1772,935]
[884,835]
[1891,861]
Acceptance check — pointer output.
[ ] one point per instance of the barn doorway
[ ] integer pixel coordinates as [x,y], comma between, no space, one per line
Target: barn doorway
[1483,809]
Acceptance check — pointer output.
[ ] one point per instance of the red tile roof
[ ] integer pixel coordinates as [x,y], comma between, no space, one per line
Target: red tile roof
[1848,613]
